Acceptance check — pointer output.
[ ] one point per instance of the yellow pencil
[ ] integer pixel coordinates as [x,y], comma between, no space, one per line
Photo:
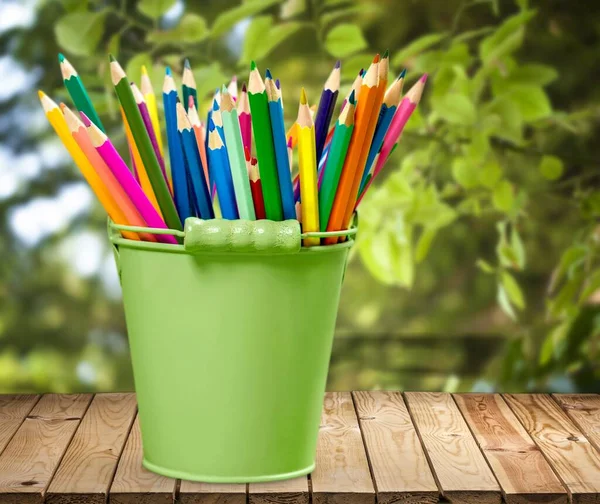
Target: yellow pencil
[59,124]
[307,151]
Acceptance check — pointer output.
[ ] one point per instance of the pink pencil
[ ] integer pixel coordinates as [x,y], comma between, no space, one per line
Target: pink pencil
[243,110]
[121,172]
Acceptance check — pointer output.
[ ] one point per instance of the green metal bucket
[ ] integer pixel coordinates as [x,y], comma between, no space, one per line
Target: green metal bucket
[230,341]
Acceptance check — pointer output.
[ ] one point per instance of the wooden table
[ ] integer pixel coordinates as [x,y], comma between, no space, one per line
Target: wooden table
[383,447]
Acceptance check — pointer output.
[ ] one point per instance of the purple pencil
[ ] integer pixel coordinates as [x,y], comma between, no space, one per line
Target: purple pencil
[121,172]
[329,96]
[141,103]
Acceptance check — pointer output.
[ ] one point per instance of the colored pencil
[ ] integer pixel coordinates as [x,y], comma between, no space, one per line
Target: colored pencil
[256,189]
[119,169]
[307,162]
[245,118]
[188,84]
[290,153]
[217,118]
[195,175]
[386,114]
[352,164]
[137,165]
[150,97]
[217,156]
[335,161]
[281,153]
[407,106]
[176,155]
[77,91]
[124,203]
[232,88]
[265,152]
[142,140]
[105,197]
[235,153]
[200,133]
[143,108]
[326,106]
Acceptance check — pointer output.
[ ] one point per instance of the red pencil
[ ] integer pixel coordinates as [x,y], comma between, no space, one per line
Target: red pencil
[256,189]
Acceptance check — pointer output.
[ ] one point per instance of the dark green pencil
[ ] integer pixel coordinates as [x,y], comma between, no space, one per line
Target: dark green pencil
[188,85]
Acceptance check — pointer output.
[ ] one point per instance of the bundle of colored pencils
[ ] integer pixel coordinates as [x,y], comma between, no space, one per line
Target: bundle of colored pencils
[238,164]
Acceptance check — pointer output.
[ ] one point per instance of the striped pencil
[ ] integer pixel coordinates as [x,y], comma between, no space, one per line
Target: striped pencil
[307,162]
[145,113]
[326,106]
[116,164]
[217,156]
[280,145]
[256,189]
[235,153]
[200,133]
[265,152]
[77,91]
[188,84]
[245,118]
[176,155]
[195,175]
[142,140]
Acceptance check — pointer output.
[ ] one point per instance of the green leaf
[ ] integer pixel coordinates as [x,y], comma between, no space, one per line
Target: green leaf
[485,266]
[532,102]
[503,196]
[344,39]
[515,294]
[504,302]
[511,120]
[424,244]
[275,37]
[229,18]
[416,46]
[516,244]
[292,8]
[489,174]
[191,29]
[208,78]
[533,74]
[134,66]
[551,167]
[592,284]
[456,109]
[256,31]
[507,38]
[80,32]
[465,172]
[155,8]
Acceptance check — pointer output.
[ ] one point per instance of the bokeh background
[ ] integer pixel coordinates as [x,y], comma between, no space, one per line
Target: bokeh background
[478,261]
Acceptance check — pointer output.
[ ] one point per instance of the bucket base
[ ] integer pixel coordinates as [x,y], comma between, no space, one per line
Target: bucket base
[206,478]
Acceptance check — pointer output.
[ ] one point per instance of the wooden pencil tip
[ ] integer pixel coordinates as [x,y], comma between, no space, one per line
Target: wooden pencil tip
[41,94]
[61,57]
[85,119]
[268,74]
[62,106]
[111,57]
[215,106]
[144,71]
[352,97]
[186,64]
[376,58]
[290,143]
[423,79]
[303,99]
[338,64]
[362,72]
[168,71]
[252,65]
[244,88]
[386,54]
[277,83]
[224,89]
[402,74]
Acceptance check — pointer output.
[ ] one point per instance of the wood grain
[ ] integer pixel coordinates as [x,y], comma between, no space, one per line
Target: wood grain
[518,464]
[192,492]
[13,410]
[342,473]
[88,467]
[460,469]
[569,452]
[292,491]
[584,411]
[398,462]
[33,454]
[133,484]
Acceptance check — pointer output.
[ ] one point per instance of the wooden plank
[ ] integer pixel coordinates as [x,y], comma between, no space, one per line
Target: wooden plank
[30,459]
[133,484]
[88,467]
[518,464]
[569,452]
[292,491]
[398,462]
[459,467]
[13,410]
[342,474]
[192,492]
[584,411]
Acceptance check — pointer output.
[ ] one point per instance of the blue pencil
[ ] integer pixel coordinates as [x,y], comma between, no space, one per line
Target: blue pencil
[386,114]
[326,106]
[280,145]
[176,157]
[200,192]
[219,168]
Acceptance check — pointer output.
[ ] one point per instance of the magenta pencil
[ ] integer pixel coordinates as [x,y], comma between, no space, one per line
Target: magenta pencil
[121,172]
[145,113]
[243,110]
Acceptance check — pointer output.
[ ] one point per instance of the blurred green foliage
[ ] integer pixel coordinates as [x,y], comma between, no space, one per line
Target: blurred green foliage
[477,263]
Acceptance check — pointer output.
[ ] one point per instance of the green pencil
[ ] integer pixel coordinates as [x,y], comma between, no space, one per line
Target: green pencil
[237,159]
[144,145]
[188,85]
[335,160]
[77,91]
[263,139]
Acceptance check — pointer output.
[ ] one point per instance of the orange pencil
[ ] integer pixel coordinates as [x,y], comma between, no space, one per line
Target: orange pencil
[352,165]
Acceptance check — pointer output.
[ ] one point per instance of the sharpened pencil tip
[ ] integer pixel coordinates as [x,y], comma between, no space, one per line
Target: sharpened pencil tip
[338,64]
[41,94]
[244,88]
[303,99]
[191,102]
[252,65]
[85,119]
[352,97]
[402,74]
[268,74]
[277,83]
[215,105]
[362,72]
[386,54]
[224,90]
[144,71]
[186,64]
[376,58]
[424,78]
[61,57]
[111,57]
[168,71]
[290,143]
